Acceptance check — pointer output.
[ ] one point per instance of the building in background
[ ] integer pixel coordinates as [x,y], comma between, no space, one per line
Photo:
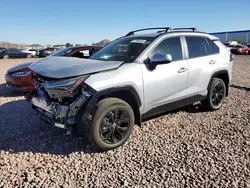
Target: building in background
[242,36]
[34,46]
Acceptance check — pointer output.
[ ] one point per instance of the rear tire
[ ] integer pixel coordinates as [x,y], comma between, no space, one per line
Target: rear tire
[216,95]
[112,124]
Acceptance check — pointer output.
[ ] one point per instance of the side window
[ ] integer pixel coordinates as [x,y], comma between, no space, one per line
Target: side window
[196,46]
[170,46]
[212,48]
[83,53]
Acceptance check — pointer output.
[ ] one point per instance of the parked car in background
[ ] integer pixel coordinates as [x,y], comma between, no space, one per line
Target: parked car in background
[239,49]
[19,76]
[47,51]
[77,51]
[233,43]
[13,53]
[32,51]
[248,45]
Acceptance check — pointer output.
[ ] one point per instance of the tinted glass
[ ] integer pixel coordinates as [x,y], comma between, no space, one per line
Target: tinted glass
[212,48]
[196,46]
[170,46]
[11,50]
[62,52]
[123,49]
[83,53]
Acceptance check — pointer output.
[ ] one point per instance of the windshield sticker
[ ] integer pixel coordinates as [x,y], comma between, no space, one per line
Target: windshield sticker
[138,41]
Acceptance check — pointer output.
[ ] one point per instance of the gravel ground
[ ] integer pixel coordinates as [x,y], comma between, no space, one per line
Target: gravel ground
[186,148]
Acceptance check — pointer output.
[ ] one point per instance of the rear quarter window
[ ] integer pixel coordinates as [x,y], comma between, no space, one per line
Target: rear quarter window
[212,48]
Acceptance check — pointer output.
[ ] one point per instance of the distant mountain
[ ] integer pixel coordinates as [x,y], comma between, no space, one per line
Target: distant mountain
[10,45]
[35,45]
[102,43]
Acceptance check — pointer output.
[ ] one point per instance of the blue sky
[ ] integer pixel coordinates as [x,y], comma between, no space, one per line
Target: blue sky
[81,21]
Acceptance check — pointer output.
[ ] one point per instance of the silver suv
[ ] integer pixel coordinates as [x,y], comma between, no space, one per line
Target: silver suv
[131,79]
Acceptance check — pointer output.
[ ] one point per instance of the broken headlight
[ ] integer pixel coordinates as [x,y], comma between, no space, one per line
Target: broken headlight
[63,88]
[21,73]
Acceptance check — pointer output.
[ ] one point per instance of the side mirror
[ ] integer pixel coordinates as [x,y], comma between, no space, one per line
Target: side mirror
[159,58]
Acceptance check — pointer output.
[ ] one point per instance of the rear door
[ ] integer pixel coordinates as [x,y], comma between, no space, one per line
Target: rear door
[19,54]
[11,53]
[202,61]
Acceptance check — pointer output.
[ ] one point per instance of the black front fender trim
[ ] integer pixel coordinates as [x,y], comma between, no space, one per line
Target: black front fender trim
[88,110]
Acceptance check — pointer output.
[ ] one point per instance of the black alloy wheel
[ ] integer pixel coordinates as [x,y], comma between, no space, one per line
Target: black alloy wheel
[218,94]
[114,126]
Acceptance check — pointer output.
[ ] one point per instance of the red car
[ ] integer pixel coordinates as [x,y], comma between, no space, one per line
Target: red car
[19,76]
[240,49]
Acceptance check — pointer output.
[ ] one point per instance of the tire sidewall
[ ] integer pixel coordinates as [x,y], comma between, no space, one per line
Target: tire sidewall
[5,57]
[215,82]
[95,128]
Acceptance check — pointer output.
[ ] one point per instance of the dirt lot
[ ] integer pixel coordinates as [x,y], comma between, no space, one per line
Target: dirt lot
[187,148]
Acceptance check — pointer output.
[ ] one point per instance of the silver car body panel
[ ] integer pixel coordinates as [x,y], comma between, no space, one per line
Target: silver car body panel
[62,67]
[163,85]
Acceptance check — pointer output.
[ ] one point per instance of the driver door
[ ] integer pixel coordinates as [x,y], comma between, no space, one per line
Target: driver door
[165,87]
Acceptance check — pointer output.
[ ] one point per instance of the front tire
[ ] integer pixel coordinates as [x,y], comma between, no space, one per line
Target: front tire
[216,95]
[112,124]
[5,57]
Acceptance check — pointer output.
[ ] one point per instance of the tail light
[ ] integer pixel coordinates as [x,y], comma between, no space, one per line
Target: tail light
[231,57]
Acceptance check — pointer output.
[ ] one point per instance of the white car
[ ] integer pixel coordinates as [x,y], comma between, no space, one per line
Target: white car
[32,51]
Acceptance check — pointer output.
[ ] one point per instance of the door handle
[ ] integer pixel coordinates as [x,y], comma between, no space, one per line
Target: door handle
[182,70]
[212,62]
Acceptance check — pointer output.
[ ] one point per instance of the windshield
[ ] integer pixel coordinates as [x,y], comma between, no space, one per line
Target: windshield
[123,49]
[62,52]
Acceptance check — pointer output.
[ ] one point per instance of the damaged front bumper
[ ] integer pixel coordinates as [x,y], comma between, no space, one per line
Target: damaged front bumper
[53,112]
[60,115]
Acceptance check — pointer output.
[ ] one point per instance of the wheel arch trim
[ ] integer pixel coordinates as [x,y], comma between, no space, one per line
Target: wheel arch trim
[89,108]
[217,73]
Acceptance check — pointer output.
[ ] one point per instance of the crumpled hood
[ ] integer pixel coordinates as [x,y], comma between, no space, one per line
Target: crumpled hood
[20,67]
[62,67]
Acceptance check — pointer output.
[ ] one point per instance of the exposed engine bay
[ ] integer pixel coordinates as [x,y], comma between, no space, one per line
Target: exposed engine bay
[57,101]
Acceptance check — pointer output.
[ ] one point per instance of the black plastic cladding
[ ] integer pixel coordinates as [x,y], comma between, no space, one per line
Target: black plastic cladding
[216,74]
[164,30]
[90,106]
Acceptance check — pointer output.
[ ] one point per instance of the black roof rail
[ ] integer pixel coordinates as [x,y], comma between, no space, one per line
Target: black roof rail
[166,29]
[185,28]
